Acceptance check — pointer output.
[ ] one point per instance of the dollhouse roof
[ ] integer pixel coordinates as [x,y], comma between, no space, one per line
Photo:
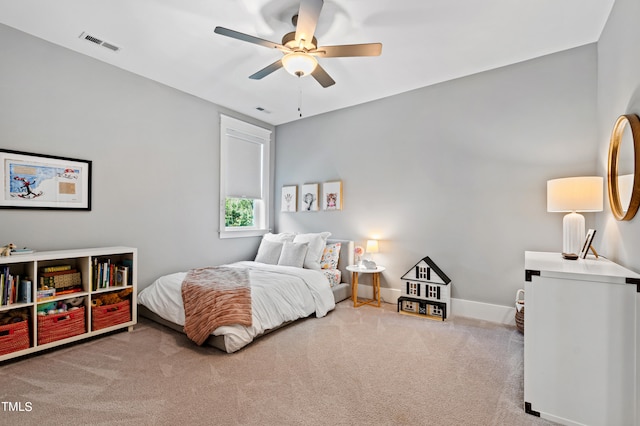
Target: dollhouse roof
[426,271]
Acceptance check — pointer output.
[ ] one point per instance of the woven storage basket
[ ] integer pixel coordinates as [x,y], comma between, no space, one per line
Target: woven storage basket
[14,337]
[520,310]
[520,320]
[60,326]
[107,315]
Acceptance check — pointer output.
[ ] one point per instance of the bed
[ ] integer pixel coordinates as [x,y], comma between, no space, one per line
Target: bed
[280,293]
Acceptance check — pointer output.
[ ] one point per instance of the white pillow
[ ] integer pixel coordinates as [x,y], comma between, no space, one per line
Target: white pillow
[281,237]
[316,241]
[269,252]
[293,254]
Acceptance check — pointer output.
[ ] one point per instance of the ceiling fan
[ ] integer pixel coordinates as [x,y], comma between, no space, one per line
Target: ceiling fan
[301,48]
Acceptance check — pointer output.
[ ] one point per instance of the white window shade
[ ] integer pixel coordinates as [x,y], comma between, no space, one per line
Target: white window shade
[245,153]
[244,157]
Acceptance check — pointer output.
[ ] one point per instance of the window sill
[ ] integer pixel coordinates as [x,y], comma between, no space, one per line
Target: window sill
[241,233]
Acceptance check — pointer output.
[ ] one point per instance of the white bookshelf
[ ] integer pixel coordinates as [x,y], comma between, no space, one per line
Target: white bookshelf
[82,260]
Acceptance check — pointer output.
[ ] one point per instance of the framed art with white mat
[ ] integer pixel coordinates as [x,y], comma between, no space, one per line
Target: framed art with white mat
[332,195]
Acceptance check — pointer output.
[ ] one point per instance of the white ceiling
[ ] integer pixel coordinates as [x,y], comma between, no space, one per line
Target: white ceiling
[424,42]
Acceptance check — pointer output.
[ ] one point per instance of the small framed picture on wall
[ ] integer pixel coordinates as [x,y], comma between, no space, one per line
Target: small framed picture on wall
[310,197]
[289,201]
[332,195]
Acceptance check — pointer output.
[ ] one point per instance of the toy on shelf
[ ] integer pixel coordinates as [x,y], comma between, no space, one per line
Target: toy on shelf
[6,250]
[111,298]
[60,306]
[13,316]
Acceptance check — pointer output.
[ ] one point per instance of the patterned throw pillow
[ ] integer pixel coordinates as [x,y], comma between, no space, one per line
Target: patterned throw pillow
[333,275]
[330,256]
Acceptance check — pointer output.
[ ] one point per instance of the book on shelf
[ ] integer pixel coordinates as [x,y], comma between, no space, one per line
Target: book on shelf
[102,273]
[61,280]
[108,273]
[21,251]
[122,275]
[2,284]
[129,264]
[24,293]
[68,290]
[9,287]
[56,268]
[46,294]
[56,273]
[5,285]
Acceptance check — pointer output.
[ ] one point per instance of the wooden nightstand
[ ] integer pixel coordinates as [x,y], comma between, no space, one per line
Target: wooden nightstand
[355,270]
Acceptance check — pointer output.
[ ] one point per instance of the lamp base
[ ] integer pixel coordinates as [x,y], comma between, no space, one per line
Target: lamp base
[573,233]
[570,256]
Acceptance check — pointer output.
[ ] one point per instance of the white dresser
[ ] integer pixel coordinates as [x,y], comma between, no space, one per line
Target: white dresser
[581,340]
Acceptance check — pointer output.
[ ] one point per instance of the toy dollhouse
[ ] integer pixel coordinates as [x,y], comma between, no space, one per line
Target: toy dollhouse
[426,291]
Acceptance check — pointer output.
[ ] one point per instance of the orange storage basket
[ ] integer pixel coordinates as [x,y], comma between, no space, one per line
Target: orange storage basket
[107,315]
[60,326]
[14,337]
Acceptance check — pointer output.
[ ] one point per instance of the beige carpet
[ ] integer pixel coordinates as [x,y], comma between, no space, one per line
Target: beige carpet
[364,366]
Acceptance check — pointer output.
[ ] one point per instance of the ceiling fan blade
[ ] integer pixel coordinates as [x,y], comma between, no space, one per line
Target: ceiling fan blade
[345,50]
[308,15]
[267,70]
[322,77]
[251,39]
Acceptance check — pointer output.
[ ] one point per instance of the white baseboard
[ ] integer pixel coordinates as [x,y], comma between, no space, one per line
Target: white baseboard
[459,307]
[484,311]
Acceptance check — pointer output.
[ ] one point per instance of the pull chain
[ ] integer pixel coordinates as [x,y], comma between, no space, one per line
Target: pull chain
[300,102]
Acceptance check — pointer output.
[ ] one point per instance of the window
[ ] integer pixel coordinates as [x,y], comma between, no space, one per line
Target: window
[244,178]
[238,212]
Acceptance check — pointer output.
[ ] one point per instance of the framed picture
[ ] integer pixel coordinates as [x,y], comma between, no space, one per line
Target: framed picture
[310,197]
[332,195]
[289,198]
[587,244]
[44,181]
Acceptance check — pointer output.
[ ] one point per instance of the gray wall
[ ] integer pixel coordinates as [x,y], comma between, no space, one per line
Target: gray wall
[455,171]
[155,154]
[618,93]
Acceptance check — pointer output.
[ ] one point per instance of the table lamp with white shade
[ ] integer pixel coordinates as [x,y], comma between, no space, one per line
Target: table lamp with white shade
[574,195]
[372,247]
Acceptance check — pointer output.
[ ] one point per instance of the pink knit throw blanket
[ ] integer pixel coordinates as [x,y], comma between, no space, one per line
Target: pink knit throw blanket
[213,297]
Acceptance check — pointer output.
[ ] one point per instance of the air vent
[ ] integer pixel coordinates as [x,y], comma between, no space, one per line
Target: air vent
[110,46]
[99,42]
[93,39]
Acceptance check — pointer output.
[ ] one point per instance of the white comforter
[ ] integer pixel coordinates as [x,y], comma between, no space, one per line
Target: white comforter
[278,294]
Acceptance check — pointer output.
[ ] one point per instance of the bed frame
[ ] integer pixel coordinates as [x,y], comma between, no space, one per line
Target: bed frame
[340,292]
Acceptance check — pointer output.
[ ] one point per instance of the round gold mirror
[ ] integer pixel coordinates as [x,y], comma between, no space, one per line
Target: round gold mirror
[624,167]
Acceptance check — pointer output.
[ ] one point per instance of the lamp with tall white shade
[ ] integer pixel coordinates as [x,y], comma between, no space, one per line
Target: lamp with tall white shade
[574,195]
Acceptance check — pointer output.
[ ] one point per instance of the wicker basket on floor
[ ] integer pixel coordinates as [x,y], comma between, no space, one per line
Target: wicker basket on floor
[108,315]
[520,310]
[520,320]
[60,326]
[14,337]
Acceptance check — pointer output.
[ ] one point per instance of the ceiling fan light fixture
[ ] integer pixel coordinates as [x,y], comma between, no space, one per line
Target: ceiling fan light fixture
[299,63]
